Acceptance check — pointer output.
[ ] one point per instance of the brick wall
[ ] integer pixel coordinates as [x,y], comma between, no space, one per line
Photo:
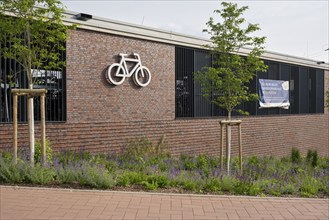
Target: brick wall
[104,118]
[90,98]
[261,135]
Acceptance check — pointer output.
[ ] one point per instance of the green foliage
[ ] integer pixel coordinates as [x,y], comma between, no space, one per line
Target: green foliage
[255,189]
[95,177]
[295,155]
[153,185]
[70,157]
[188,162]
[34,36]
[40,175]
[68,175]
[144,147]
[202,164]
[7,156]
[154,182]
[200,173]
[128,178]
[309,187]
[228,79]
[38,152]
[228,184]
[12,173]
[289,189]
[241,188]
[162,181]
[213,185]
[312,157]
[190,185]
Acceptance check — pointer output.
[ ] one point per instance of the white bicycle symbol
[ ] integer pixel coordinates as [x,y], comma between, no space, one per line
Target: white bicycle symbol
[117,72]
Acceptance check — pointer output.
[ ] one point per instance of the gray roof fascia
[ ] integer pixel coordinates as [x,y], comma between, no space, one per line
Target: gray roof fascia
[142,32]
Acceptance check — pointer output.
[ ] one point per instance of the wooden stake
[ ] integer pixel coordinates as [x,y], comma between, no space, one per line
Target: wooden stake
[15,127]
[228,149]
[30,93]
[222,126]
[240,148]
[30,131]
[43,129]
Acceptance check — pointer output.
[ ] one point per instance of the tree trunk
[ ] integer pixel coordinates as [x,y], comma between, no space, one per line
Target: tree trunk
[31,126]
[228,151]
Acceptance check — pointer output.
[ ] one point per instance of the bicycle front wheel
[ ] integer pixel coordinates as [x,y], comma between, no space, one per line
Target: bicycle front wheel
[142,76]
[115,74]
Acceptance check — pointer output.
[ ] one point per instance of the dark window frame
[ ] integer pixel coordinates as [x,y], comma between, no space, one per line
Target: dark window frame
[299,98]
[53,80]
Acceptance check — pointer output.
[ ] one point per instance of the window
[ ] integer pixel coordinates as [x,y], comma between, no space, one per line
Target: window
[12,76]
[306,87]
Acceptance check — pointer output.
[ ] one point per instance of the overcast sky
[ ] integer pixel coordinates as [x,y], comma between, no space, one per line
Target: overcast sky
[299,28]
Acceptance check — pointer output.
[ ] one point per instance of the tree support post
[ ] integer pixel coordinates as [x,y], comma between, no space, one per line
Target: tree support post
[221,146]
[227,124]
[240,148]
[43,129]
[30,93]
[15,127]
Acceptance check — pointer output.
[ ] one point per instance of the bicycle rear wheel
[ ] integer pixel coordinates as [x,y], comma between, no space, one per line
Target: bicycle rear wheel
[115,74]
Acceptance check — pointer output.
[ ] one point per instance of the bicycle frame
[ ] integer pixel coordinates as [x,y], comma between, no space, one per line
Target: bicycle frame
[123,63]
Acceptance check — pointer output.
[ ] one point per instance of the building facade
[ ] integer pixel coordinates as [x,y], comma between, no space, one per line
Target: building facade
[86,112]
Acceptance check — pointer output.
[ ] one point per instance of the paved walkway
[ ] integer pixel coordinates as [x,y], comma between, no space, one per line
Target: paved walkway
[41,203]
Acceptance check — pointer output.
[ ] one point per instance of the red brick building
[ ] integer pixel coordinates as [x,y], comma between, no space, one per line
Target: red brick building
[86,112]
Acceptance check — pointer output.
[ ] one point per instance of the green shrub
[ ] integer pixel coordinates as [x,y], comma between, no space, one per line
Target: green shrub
[111,166]
[123,180]
[153,185]
[241,188]
[68,175]
[255,189]
[202,164]
[38,152]
[162,181]
[324,182]
[228,183]
[7,156]
[40,175]
[253,160]
[309,187]
[188,162]
[189,184]
[288,188]
[295,155]
[12,173]
[95,177]
[130,177]
[312,157]
[213,185]
[67,158]
[144,147]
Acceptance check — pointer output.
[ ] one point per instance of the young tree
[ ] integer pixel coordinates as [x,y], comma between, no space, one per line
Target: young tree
[226,82]
[32,33]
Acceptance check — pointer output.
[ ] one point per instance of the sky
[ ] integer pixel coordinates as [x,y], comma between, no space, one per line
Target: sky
[297,28]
